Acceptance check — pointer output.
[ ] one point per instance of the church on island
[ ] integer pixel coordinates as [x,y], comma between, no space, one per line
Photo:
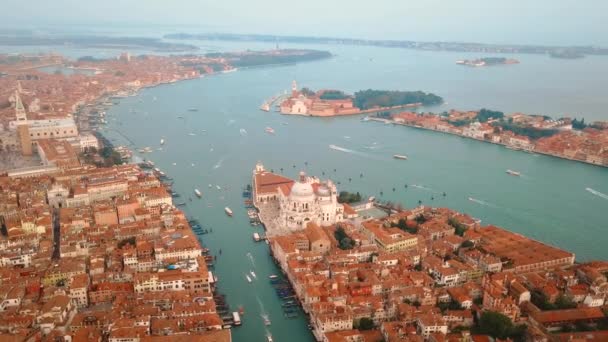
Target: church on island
[298,202]
[320,103]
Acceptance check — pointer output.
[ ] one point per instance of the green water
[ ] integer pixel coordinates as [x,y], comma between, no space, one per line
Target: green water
[548,202]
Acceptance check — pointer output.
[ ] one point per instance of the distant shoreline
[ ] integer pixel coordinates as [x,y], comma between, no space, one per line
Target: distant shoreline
[551,51]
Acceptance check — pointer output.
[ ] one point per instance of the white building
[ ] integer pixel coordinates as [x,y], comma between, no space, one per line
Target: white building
[88,140]
[301,202]
[309,200]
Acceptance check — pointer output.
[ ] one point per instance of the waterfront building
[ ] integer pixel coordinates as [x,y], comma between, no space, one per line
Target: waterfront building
[308,200]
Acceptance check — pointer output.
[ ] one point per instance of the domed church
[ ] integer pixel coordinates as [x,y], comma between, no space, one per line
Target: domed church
[303,201]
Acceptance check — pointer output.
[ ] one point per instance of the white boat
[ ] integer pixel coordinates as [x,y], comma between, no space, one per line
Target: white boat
[243,131]
[269,338]
[198,193]
[273,276]
[269,130]
[236,318]
[256,237]
[338,148]
[162,141]
[191,134]
[218,187]
[228,211]
[399,156]
[248,278]
[210,185]
[513,173]
[253,275]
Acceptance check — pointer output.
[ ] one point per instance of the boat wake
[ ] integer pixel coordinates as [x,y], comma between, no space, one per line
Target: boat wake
[422,188]
[243,132]
[597,193]
[231,121]
[480,202]
[218,164]
[341,149]
[251,259]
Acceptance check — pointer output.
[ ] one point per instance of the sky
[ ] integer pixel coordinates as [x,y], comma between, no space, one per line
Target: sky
[550,22]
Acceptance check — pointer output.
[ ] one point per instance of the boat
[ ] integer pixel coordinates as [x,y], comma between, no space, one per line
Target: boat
[269,130]
[266,319]
[236,318]
[248,278]
[513,173]
[241,310]
[256,237]
[210,185]
[228,211]
[265,107]
[243,131]
[198,193]
[273,276]
[253,275]
[269,338]
[218,187]
[399,156]
[162,141]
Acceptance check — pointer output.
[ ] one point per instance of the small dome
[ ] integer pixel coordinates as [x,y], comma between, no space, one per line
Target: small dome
[301,189]
[323,191]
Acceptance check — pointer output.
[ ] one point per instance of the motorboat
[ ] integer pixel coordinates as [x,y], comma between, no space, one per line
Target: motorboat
[198,193]
[399,156]
[228,211]
[513,173]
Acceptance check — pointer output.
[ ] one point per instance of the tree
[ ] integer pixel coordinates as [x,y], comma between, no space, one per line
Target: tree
[495,324]
[467,244]
[459,228]
[366,323]
[344,241]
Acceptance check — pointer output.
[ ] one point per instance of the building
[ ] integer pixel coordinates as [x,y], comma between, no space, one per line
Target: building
[306,201]
[57,152]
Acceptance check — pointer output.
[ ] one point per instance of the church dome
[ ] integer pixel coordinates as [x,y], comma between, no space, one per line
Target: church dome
[323,191]
[300,189]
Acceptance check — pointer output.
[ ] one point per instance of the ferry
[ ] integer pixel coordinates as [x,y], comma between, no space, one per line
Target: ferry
[248,278]
[399,156]
[162,141]
[236,318]
[269,130]
[228,211]
[198,193]
[513,173]
[256,237]
[265,107]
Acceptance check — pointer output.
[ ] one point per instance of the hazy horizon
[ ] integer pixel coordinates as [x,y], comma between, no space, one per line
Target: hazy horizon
[541,22]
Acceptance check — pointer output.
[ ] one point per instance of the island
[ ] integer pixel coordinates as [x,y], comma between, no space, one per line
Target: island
[565,138]
[251,58]
[330,102]
[487,61]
